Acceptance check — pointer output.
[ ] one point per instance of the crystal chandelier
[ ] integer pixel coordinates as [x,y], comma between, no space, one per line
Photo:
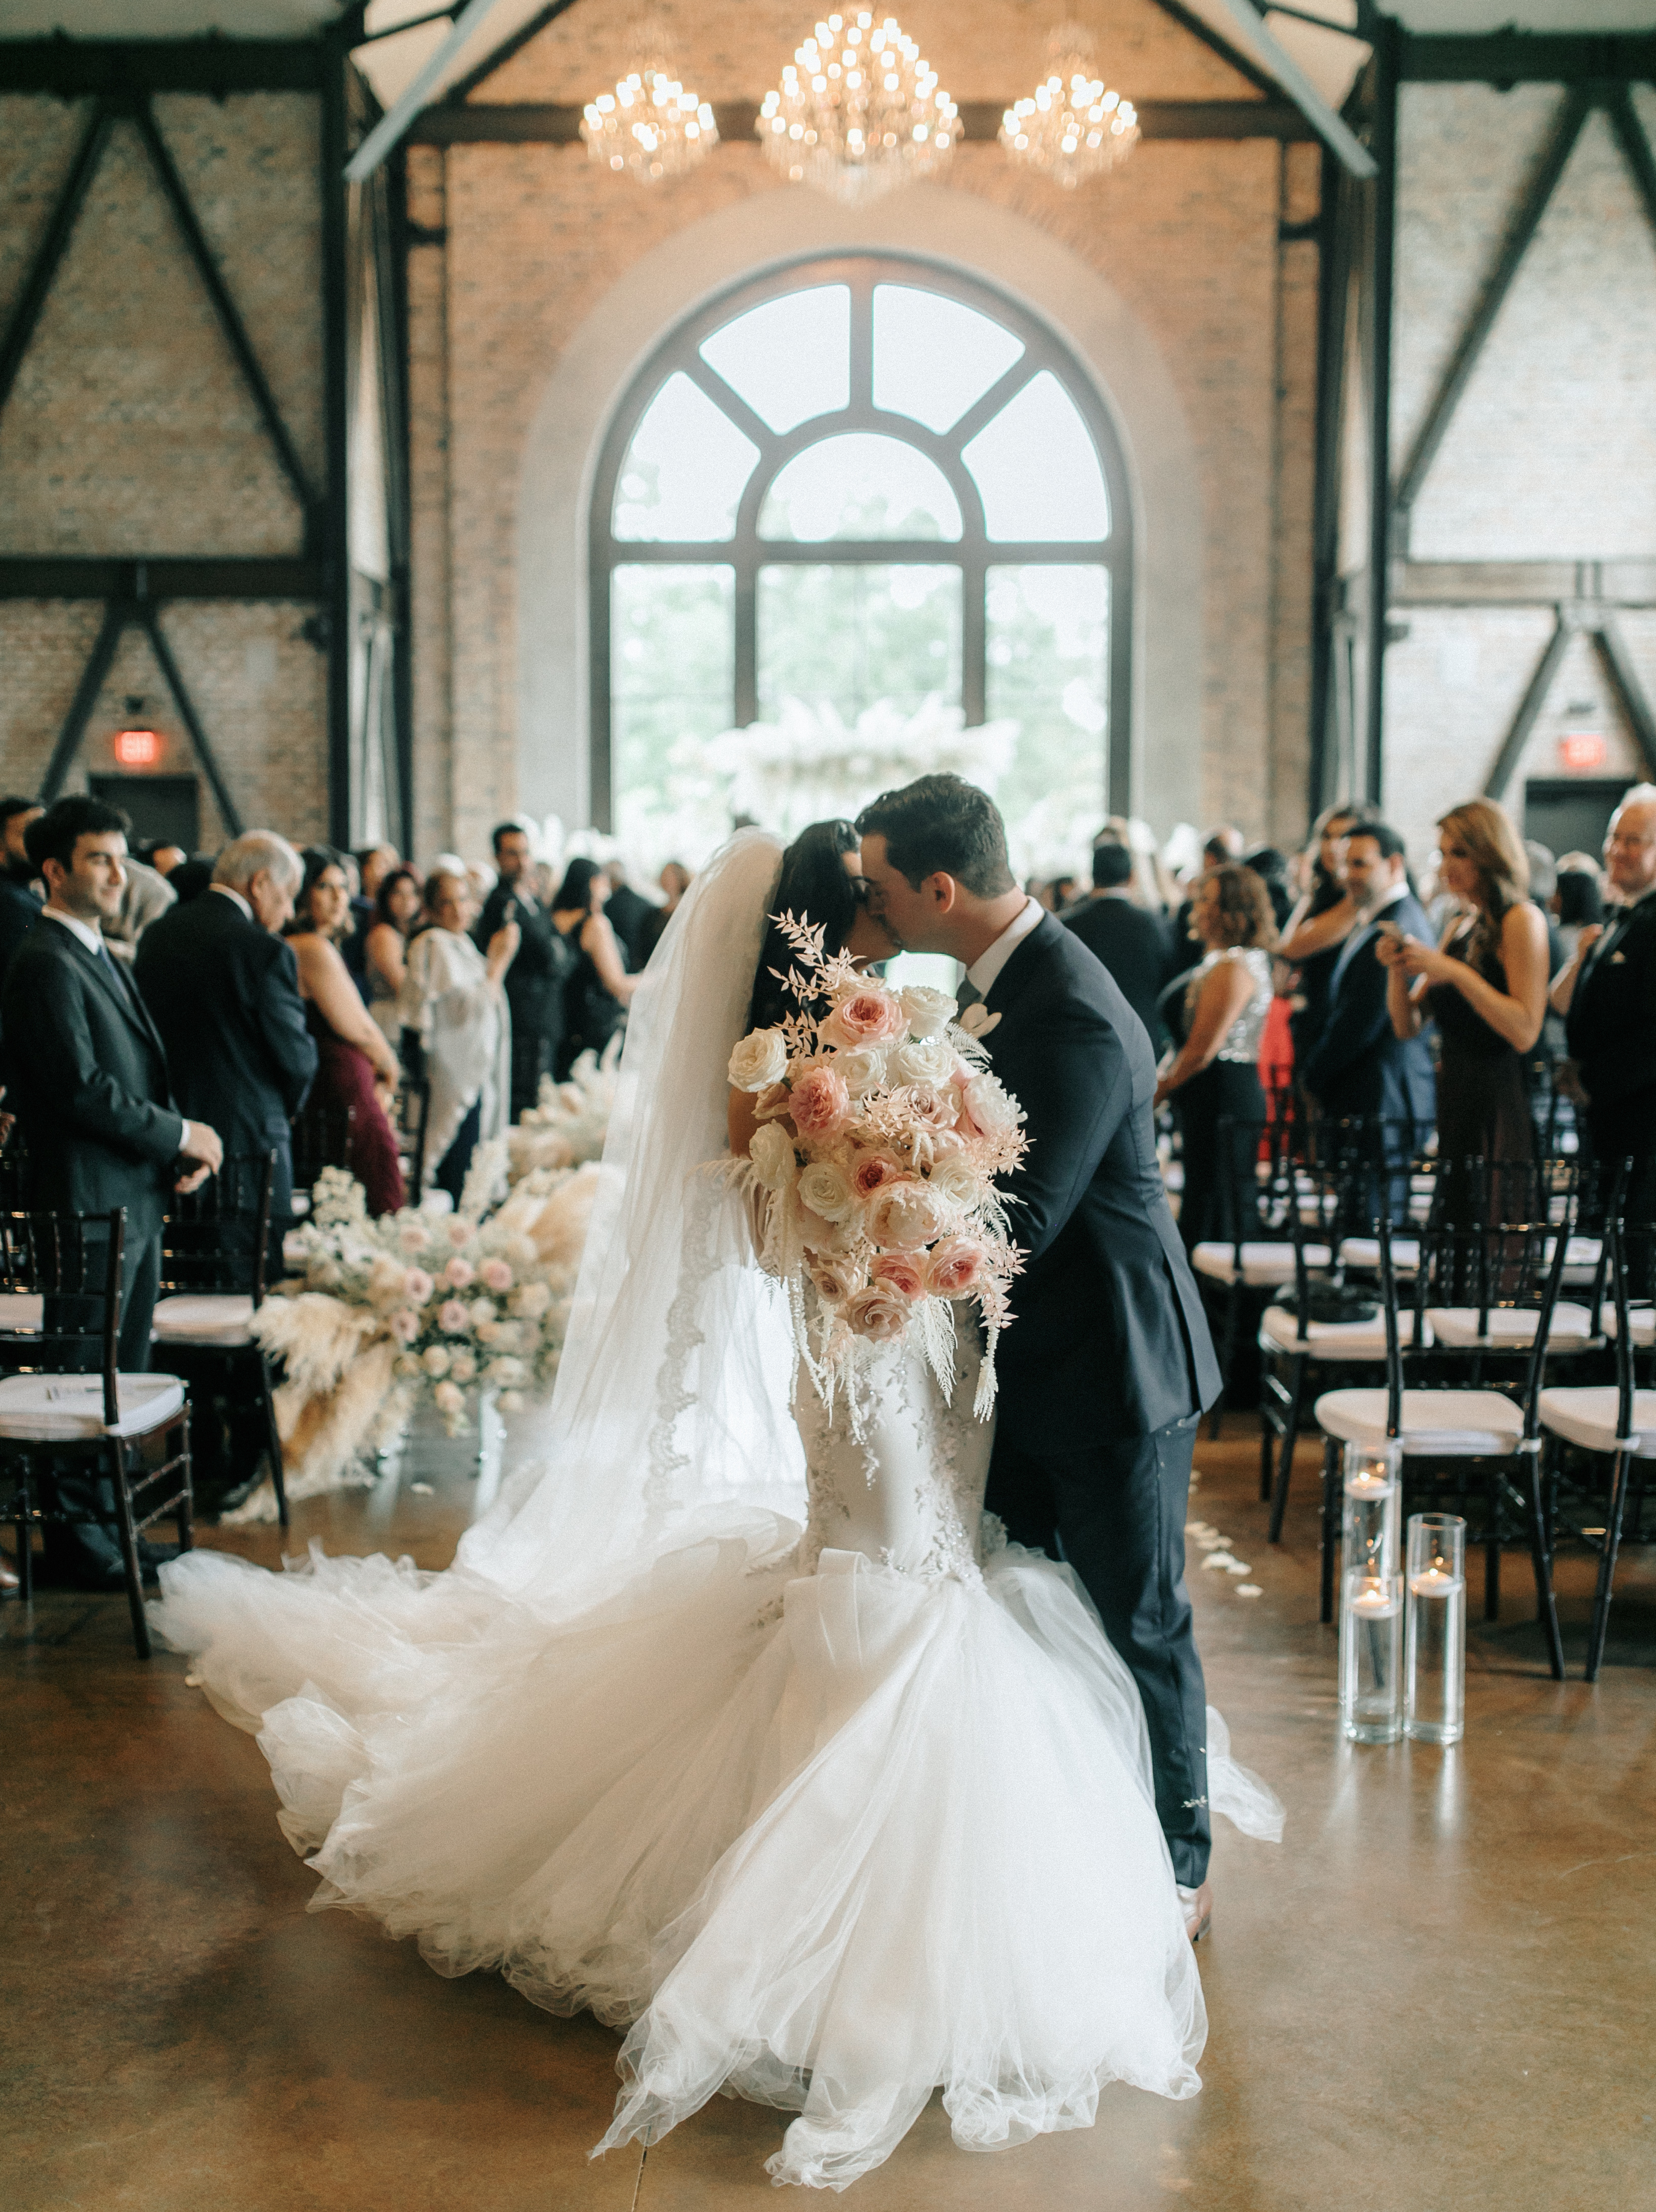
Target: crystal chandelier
[649,124]
[1073,129]
[858,112]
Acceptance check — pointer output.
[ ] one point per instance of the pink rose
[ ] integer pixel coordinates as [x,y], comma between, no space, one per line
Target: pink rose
[867,1015]
[872,1169]
[457,1273]
[931,1109]
[453,1316]
[899,1273]
[405,1326]
[497,1275]
[835,1278]
[956,1266]
[821,1104]
[418,1286]
[460,1232]
[878,1313]
[904,1216]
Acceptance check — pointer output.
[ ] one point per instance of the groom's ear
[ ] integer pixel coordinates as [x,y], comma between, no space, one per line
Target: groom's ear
[943,890]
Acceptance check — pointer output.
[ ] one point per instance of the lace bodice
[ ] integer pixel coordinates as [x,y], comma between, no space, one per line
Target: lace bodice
[1247,1033]
[907,1490]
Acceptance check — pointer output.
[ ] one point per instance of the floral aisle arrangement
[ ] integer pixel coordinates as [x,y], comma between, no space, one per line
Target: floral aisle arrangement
[881,1134]
[568,1126]
[444,1305]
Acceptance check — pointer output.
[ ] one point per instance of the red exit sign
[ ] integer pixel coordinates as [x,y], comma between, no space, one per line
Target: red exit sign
[138,748]
[1580,752]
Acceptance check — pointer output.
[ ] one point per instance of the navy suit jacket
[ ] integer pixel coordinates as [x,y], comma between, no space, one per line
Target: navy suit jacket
[1359,1064]
[87,1074]
[1109,1338]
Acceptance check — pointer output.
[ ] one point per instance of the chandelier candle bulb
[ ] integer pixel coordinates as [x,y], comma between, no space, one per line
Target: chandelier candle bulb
[1371,1653]
[1434,1665]
[859,112]
[1072,129]
[649,124]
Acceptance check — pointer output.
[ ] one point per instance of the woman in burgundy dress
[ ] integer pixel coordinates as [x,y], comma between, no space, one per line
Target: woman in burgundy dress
[355,1065]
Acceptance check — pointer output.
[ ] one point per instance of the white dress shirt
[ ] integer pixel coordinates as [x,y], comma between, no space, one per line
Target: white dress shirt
[93,941]
[225,892]
[985,971]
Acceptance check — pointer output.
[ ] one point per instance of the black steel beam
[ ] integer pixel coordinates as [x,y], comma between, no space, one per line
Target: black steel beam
[1544,182]
[55,576]
[149,621]
[1383,144]
[335,547]
[1618,665]
[70,67]
[545,123]
[394,356]
[1529,709]
[224,307]
[49,256]
[1334,258]
[1636,148]
[1513,57]
[117,615]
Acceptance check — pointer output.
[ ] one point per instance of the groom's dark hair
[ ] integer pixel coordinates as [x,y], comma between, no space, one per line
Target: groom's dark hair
[942,824]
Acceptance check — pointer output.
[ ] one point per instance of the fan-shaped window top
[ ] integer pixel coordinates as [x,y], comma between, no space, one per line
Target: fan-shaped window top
[934,357]
[859,485]
[789,359]
[683,473]
[1037,469]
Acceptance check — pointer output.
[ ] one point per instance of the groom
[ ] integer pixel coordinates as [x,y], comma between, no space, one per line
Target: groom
[1108,1366]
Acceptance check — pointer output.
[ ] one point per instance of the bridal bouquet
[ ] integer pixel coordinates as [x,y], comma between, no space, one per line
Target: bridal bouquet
[881,1134]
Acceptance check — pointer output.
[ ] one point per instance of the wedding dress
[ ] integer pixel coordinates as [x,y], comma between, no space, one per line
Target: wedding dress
[826,1816]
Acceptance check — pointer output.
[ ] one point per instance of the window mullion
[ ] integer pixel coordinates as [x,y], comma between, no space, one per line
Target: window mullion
[974,639]
[746,657]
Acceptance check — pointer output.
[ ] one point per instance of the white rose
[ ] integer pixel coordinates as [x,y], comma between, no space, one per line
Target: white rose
[957,1180]
[532,1300]
[929,1062]
[901,1216]
[448,1398]
[436,1361]
[772,1154]
[826,1191]
[929,1012]
[862,1067]
[463,1368]
[481,1311]
[758,1061]
[991,1106]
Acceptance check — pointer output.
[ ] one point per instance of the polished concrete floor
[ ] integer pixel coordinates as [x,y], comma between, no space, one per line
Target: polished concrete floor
[1439,1992]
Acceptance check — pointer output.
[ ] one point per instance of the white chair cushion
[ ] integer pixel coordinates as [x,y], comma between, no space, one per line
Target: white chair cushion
[1364,1254]
[1265,1265]
[1506,1330]
[1333,1340]
[39,1408]
[1643,1318]
[22,1313]
[1588,1416]
[207,1317]
[1454,1423]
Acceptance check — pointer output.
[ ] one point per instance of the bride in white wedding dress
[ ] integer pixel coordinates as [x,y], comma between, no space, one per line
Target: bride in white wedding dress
[830,1817]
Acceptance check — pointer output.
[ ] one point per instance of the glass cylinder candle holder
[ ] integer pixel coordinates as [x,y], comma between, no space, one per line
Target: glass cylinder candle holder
[1435,1662]
[1369,1519]
[1371,1657]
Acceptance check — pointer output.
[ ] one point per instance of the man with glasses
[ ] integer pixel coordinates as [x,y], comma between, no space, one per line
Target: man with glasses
[1607,994]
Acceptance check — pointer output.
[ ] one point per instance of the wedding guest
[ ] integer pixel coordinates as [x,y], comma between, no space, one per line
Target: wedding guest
[1221,848]
[145,898]
[672,883]
[1577,903]
[1272,868]
[1607,993]
[1485,986]
[629,913]
[598,988]
[164,856]
[357,1070]
[453,998]
[1318,926]
[1130,940]
[371,864]
[191,879]
[535,981]
[87,1080]
[20,895]
[397,906]
[1359,1066]
[1215,1074]
[223,988]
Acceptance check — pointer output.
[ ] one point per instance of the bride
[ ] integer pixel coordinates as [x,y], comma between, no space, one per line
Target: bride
[830,1817]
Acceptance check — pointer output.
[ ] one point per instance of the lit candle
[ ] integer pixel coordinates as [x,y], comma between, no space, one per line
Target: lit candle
[1436,1582]
[1374,1601]
[1367,1485]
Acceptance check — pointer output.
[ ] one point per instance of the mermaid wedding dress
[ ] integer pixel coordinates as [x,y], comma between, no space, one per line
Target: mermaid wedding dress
[829,1817]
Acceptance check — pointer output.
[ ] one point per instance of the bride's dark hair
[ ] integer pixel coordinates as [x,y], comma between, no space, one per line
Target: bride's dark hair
[814,888]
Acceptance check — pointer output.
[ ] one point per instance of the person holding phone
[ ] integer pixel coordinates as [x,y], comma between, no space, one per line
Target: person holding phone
[535,980]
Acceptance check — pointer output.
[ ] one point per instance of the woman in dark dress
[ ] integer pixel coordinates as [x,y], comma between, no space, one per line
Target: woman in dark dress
[356,1067]
[599,987]
[1312,938]
[1486,988]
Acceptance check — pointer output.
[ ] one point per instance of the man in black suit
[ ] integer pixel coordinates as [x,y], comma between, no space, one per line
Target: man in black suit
[540,966]
[19,903]
[86,1076]
[223,988]
[1132,942]
[1359,1064]
[629,915]
[1106,1370]
[1608,994]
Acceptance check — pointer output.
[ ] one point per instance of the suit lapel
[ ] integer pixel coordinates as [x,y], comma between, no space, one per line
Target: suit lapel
[122,994]
[1020,963]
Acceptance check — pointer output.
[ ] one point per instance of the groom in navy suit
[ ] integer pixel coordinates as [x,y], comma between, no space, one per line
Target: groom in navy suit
[1107,1366]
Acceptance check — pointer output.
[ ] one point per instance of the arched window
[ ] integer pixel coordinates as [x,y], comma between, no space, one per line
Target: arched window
[860,483]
